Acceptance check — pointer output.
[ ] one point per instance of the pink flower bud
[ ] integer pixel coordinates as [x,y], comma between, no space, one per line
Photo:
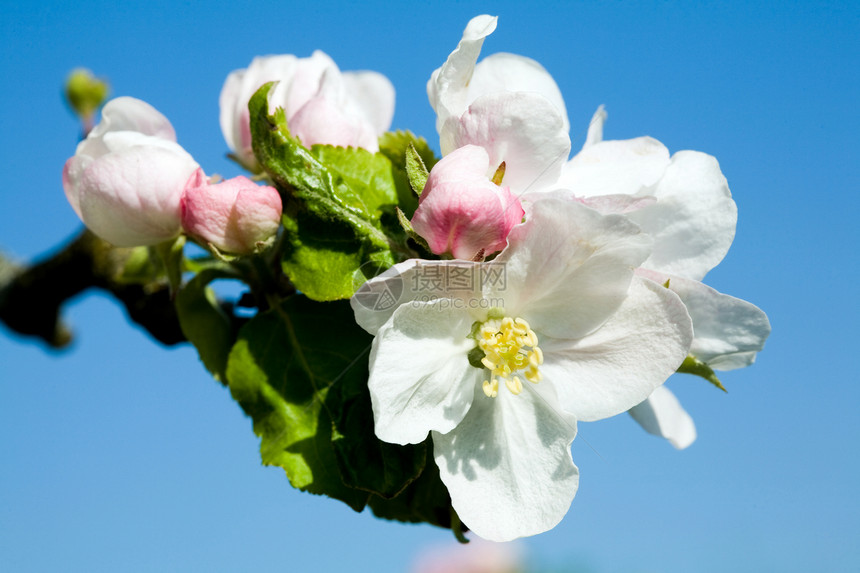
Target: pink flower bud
[236,216]
[461,211]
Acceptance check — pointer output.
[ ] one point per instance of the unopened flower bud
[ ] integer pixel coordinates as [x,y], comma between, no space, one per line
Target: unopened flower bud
[236,216]
[126,178]
[461,211]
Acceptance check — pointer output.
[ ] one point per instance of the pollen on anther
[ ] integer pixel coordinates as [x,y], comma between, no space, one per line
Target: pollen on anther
[515,385]
[491,389]
[510,346]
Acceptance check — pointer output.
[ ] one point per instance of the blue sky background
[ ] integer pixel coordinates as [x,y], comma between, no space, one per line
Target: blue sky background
[119,455]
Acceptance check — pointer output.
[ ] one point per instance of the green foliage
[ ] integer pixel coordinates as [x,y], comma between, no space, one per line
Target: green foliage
[204,323]
[424,500]
[416,171]
[281,369]
[406,225]
[693,365]
[172,258]
[140,267]
[333,202]
[365,462]
[395,145]
[300,372]
[362,179]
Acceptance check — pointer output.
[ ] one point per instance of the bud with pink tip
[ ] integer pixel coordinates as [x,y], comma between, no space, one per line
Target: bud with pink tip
[462,210]
[126,178]
[236,216]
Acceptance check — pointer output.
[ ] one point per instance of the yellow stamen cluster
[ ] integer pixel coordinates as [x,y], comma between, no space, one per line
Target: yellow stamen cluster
[510,346]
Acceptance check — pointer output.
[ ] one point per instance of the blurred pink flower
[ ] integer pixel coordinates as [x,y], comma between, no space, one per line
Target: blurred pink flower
[478,556]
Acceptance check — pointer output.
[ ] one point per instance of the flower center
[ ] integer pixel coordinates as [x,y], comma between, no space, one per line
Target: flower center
[510,346]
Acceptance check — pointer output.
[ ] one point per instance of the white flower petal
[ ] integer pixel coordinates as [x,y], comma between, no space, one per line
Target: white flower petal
[374,95]
[615,167]
[620,364]
[420,376]
[293,92]
[693,220]
[728,331]
[504,72]
[328,118]
[446,88]
[415,280]
[72,171]
[507,466]
[568,268]
[132,197]
[609,204]
[523,130]
[131,114]
[325,105]
[662,415]
[595,127]
[238,89]
[228,102]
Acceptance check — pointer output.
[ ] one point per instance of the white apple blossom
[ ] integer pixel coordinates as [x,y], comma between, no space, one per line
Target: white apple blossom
[572,335]
[322,104]
[684,203]
[126,178]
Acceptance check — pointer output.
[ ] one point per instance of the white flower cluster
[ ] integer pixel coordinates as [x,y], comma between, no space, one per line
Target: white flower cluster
[572,288]
[601,300]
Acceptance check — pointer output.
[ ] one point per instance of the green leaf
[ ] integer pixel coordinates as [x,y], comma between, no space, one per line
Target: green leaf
[281,370]
[331,214]
[323,259]
[204,323]
[406,225]
[394,145]
[366,462]
[171,254]
[424,500]
[362,179]
[693,365]
[415,170]
[141,266]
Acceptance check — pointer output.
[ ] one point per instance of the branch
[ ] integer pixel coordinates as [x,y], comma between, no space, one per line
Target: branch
[31,297]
